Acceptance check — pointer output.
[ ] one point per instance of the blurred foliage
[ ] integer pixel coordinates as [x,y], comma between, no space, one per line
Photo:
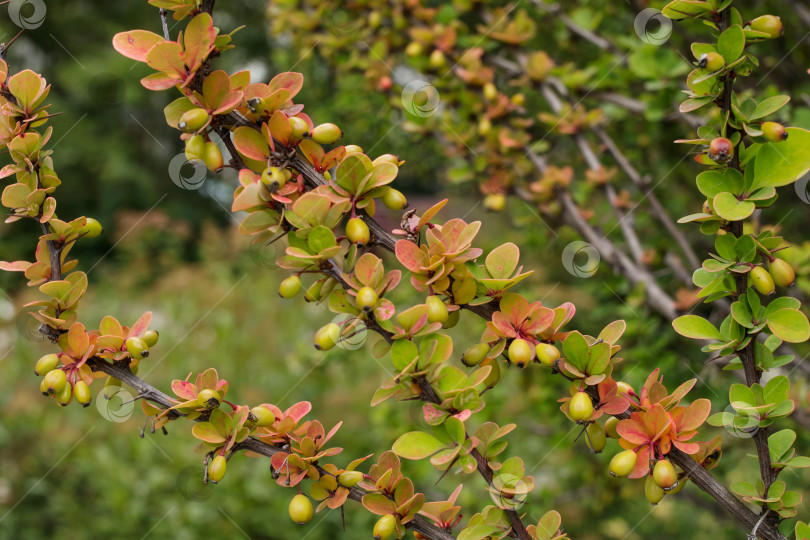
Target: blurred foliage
[71,474]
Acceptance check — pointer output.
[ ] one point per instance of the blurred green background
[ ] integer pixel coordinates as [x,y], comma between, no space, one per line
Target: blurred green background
[71,473]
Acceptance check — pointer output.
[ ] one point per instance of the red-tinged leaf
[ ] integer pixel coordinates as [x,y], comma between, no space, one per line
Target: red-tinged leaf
[409,255]
[679,393]
[184,389]
[290,81]
[656,421]
[221,421]
[206,431]
[299,410]
[48,210]
[207,379]
[695,414]
[160,81]
[379,504]
[215,87]
[110,326]
[247,198]
[167,57]
[385,309]
[229,102]
[135,44]
[366,268]
[279,127]
[430,213]
[687,447]
[633,431]
[141,325]
[330,434]
[642,463]
[198,40]
[78,340]
[312,151]
[337,500]
[502,261]
[617,405]
[250,143]
[17,266]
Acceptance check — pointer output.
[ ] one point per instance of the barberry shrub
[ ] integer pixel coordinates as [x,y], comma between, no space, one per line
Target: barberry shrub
[298,184]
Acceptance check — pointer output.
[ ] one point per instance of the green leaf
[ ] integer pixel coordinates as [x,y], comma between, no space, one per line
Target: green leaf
[455,428]
[477,532]
[741,394]
[777,390]
[417,445]
[728,207]
[321,238]
[744,489]
[799,462]
[575,350]
[403,352]
[780,443]
[731,43]
[695,327]
[741,314]
[769,106]
[782,163]
[712,183]
[502,261]
[789,325]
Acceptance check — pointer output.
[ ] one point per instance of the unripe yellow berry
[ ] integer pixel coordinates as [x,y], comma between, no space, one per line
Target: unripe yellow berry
[385,527]
[437,310]
[782,273]
[82,392]
[367,298]
[193,120]
[762,280]
[475,354]
[357,231]
[46,364]
[217,468]
[326,133]
[289,287]
[547,353]
[53,382]
[301,510]
[623,463]
[209,399]
[581,407]
[327,337]
[520,352]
